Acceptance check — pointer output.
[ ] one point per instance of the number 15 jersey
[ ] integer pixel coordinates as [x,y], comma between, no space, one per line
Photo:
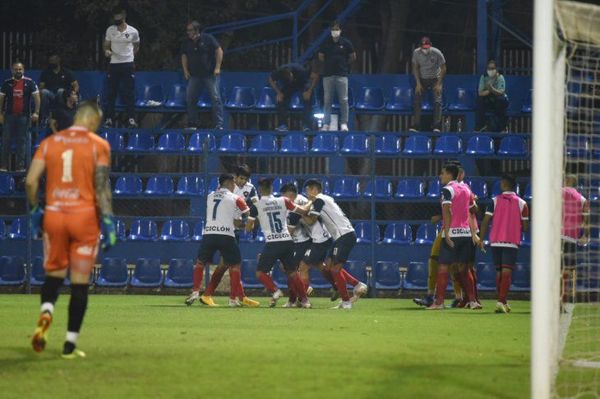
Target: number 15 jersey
[222,206]
[272,215]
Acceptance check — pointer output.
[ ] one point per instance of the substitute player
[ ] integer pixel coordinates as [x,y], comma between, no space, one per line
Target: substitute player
[76,163]
[218,235]
[511,217]
[272,215]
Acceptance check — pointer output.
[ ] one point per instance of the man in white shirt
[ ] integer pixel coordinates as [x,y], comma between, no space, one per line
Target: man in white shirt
[121,43]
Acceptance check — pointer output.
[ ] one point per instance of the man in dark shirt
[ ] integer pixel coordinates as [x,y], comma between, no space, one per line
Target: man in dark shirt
[53,81]
[64,110]
[287,80]
[17,91]
[336,53]
[201,58]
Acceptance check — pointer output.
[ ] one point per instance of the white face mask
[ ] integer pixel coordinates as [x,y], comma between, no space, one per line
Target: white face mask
[491,72]
[336,33]
[425,50]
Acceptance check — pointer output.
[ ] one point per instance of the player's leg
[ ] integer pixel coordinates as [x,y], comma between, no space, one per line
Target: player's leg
[205,254]
[295,284]
[341,251]
[325,268]
[569,263]
[266,261]
[431,273]
[56,262]
[447,257]
[232,257]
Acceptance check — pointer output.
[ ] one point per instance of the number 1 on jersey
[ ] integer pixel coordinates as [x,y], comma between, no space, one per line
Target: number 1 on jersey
[217,202]
[67,158]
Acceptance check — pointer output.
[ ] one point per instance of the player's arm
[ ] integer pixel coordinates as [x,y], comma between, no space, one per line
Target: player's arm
[525,217]
[485,224]
[103,193]
[32,181]
[218,60]
[309,220]
[447,215]
[253,214]
[106,48]
[2,95]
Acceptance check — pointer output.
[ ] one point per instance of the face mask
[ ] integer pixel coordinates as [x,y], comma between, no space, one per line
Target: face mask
[491,72]
[426,50]
[118,22]
[17,75]
[336,33]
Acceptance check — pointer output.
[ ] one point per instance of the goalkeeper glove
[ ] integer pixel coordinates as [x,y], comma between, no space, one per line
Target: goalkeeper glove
[37,218]
[109,232]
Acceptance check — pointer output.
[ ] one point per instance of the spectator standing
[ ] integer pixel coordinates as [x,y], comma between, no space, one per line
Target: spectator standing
[201,59]
[63,112]
[17,91]
[287,80]
[121,43]
[336,54]
[53,81]
[492,98]
[429,70]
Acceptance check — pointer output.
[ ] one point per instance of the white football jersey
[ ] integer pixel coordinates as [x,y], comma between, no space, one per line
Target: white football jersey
[300,233]
[221,208]
[121,43]
[334,219]
[317,231]
[248,193]
[272,213]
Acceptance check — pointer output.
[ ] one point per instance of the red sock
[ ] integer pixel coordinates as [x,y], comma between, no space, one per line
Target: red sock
[474,277]
[235,277]
[267,281]
[350,279]
[441,284]
[198,275]
[498,281]
[328,276]
[468,284]
[215,279]
[505,284]
[292,290]
[340,283]
[299,286]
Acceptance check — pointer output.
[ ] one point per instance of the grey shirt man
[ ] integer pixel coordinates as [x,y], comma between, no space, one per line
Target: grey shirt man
[430,64]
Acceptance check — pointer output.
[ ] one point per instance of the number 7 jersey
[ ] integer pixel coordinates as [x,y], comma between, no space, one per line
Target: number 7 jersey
[272,215]
[222,206]
[70,158]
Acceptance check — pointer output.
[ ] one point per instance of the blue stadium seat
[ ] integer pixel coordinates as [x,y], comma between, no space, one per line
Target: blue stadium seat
[249,274]
[595,144]
[426,234]
[588,277]
[387,276]
[147,273]
[143,230]
[246,236]
[198,231]
[159,185]
[479,187]
[38,274]
[317,280]
[383,188]
[464,100]
[401,101]
[279,276]
[267,100]
[263,144]
[128,185]
[12,270]
[113,273]
[115,139]
[521,278]
[364,234]
[278,182]
[527,195]
[325,143]
[175,230]
[190,185]
[370,99]
[527,104]
[416,276]
[324,183]
[388,144]
[513,146]
[486,277]
[171,142]
[346,188]
[241,98]
[336,101]
[204,101]
[410,188]
[7,184]
[480,145]
[397,233]
[18,229]
[260,236]
[595,238]
[180,273]
[152,97]
[197,141]
[417,145]
[577,146]
[140,142]
[448,145]
[2,229]
[213,184]
[434,188]
[355,144]
[526,238]
[176,97]
[358,269]
[294,143]
[234,142]
[497,190]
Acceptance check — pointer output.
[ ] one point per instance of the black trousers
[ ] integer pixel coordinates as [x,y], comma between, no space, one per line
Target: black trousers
[283,108]
[497,105]
[120,80]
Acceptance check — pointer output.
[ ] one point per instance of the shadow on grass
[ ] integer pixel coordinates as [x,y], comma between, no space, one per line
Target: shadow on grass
[24,354]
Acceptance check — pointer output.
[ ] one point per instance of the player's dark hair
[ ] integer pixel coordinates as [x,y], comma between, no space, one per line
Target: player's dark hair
[289,187]
[452,169]
[336,25]
[196,25]
[313,183]
[265,184]
[119,11]
[243,170]
[225,177]
[510,180]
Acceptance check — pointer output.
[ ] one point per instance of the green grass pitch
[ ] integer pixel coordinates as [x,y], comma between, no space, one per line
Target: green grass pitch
[156,347]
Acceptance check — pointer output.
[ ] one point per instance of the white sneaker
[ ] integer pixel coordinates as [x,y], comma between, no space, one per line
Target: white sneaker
[234,303]
[343,305]
[288,305]
[344,127]
[359,290]
[306,304]
[325,128]
[474,305]
[194,296]
[309,291]
[501,308]
[276,295]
